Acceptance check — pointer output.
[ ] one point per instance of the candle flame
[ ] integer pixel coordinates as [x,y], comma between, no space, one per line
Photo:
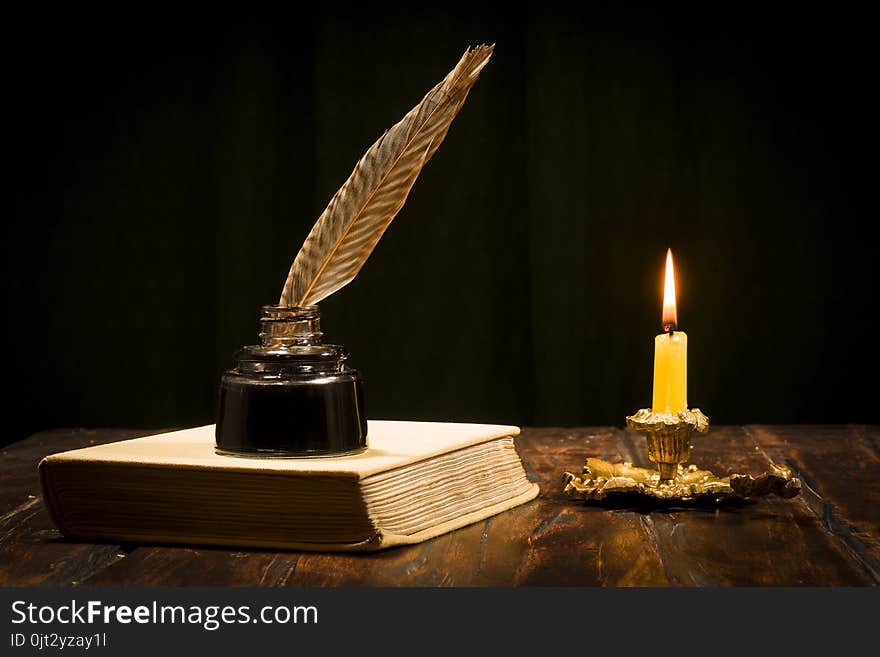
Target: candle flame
[670,313]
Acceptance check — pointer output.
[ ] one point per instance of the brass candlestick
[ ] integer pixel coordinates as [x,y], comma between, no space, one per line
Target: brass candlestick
[669,445]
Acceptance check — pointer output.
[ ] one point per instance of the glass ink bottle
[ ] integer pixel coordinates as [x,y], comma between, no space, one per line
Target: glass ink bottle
[292,395]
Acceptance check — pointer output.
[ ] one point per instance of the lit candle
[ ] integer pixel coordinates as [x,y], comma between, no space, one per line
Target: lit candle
[670,353]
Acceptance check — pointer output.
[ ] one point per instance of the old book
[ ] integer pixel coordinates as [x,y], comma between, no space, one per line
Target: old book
[415,481]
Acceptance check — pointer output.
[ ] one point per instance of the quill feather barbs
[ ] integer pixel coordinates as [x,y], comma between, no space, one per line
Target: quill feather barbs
[360,212]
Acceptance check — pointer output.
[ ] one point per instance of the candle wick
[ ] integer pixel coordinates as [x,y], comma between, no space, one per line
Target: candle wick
[670,329]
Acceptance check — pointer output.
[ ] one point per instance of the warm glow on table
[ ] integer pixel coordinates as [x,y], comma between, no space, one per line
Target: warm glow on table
[670,353]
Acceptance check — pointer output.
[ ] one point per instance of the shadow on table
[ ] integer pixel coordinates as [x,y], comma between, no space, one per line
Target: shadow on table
[646,506]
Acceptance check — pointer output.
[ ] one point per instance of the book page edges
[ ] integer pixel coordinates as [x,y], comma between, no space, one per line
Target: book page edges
[390,540]
[378,541]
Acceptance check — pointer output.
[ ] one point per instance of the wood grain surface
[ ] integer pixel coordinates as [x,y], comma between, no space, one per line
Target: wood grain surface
[829,536]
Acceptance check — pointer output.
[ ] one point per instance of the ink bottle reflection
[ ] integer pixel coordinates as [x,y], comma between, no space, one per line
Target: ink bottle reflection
[292,395]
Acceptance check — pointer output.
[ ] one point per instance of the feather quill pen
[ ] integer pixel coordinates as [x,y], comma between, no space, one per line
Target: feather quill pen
[360,212]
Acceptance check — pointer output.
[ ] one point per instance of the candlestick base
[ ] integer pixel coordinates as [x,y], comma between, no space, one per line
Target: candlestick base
[669,444]
[669,436]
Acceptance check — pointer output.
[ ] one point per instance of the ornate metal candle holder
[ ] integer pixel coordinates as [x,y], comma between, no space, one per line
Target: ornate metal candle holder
[669,445]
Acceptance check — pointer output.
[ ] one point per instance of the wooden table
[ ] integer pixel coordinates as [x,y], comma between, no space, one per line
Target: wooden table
[828,536]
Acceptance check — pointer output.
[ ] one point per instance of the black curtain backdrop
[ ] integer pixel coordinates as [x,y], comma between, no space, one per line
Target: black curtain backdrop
[166,168]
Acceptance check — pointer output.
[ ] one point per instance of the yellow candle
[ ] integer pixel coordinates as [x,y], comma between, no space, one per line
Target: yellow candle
[670,353]
[670,372]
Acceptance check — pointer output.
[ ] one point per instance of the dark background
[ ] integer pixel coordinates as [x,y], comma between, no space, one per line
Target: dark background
[166,168]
